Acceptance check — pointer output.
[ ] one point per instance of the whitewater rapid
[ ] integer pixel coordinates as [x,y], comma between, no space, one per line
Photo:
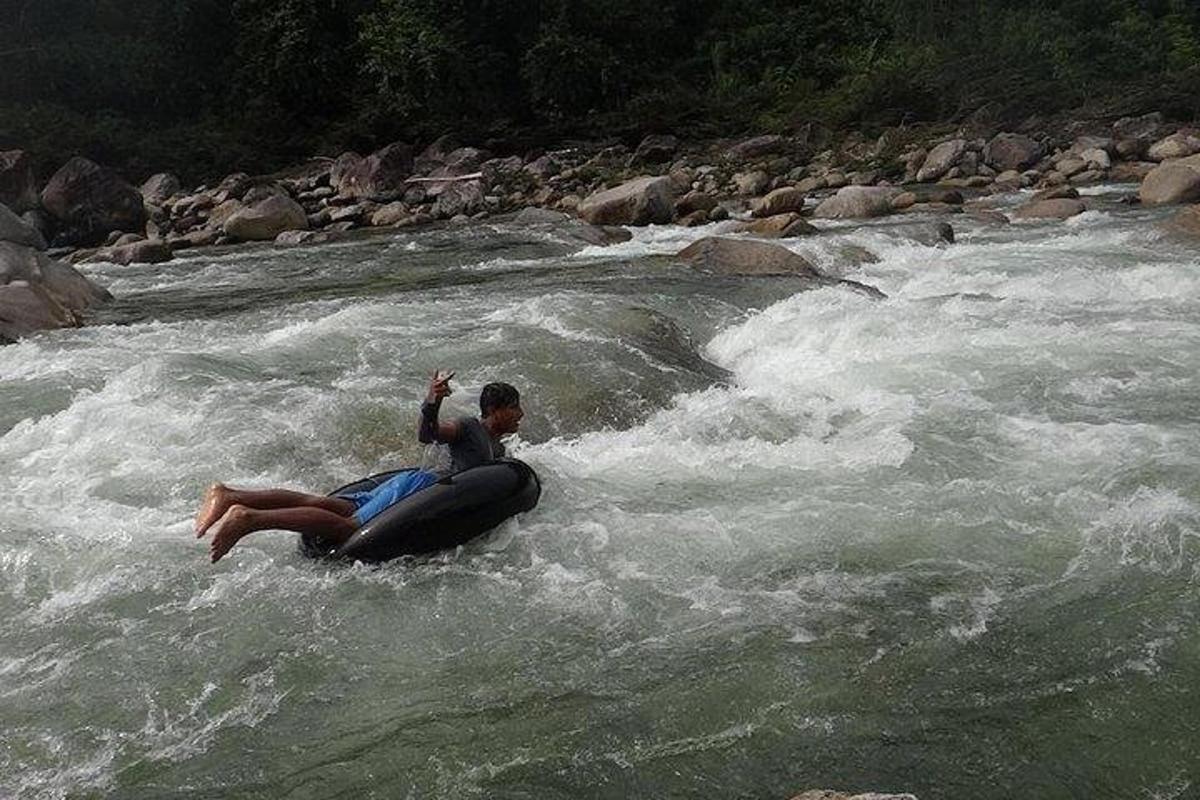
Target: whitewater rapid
[947,542]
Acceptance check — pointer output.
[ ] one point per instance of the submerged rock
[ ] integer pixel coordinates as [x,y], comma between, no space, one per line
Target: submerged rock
[779,226]
[858,202]
[39,293]
[745,257]
[1062,208]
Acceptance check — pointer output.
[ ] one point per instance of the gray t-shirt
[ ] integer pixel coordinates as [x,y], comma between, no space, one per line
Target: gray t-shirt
[473,447]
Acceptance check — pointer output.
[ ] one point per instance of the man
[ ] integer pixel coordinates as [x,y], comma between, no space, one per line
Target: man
[231,514]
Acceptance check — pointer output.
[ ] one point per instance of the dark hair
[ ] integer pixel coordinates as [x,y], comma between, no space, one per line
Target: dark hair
[498,395]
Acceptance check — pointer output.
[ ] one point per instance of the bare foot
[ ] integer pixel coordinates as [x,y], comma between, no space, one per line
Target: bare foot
[217,501]
[229,529]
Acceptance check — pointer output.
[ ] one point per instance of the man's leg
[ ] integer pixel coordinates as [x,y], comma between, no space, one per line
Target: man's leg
[241,520]
[220,498]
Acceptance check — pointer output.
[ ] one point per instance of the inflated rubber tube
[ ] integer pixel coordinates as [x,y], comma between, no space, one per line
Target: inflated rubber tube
[445,515]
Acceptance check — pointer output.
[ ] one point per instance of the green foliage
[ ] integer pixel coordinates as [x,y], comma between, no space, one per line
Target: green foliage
[202,86]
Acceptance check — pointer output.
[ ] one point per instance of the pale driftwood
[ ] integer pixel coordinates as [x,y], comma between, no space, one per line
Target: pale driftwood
[447,179]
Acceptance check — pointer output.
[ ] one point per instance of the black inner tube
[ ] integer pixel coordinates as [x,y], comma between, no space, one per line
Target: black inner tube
[449,513]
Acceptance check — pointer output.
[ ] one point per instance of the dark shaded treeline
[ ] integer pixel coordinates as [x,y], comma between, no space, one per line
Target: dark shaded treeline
[206,86]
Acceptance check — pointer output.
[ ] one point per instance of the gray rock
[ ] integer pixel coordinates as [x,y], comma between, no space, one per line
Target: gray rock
[18,184]
[941,159]
[265,221]
[745,257]
[1176,181]
[38,293]
[654,149]
[1145,128]
[1177,145]
[750,184]
[302,238]
[540,216]
[641,201]
[858,202]
[1012,151]
[232,187]
[758,146]
[1050,209]
[218,216]
[695,201]
[18,231]
[779,226]
[389,214]
[780,201]
[159,187]
[461,197]
[380,176]
[147,251]
[90,201]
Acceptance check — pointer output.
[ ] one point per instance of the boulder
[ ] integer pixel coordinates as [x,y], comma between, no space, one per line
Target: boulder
[1050,209]
[1176,181]
[39,293]
[540,216]
[460,197]
[18,184]
[543,167]
[745,257]
[462,160]
[1012,151]
[266,220]
[1177,145]
[781,201]
[757,146]
[1130,171]
[1096,158]
[750,184]
[261,191]
[695,201]
[654,149]
[1145,128]
[389,214]
[300,238]
[1071,165]
[159,187]
[779,226]
[380,176]
[18,231]
[858,202]
[641,201]
[147,251]
[219,215]
[89,201]
[941,159]
[232,187]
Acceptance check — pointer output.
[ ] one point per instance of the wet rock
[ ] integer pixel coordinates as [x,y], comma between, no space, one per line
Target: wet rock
[1130,171]
[829,794]
[1176,181]
[781,201]
[858,202]
[89,201]
[941,159]
[1012,151]
[641,201]
[39,293]
[1050,209]
[1088,177]
[1185,224]
[158,188]
[852,256]
[1056,193]
[745,257]
[146,251]
[540,216]
[18,184]
[904,200]
[695,201]
[812,184]
[266,220]
[389,214]
[301,238]
[779,226]
[16,230]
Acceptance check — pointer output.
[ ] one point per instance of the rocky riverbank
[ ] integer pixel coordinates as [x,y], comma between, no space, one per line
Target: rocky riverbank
[771,185]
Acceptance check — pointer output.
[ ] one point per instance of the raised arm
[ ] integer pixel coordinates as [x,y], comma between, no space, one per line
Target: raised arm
[429,430]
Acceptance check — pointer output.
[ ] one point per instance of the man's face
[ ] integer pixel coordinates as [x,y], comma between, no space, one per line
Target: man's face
[508,418]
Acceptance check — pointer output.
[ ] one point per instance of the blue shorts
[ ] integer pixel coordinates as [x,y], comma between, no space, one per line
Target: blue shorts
[371,503]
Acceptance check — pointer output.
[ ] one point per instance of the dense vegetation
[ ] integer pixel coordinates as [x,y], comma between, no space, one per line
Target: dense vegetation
[203,86]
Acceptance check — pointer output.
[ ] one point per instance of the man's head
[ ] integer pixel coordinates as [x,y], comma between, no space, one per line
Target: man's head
[501,404]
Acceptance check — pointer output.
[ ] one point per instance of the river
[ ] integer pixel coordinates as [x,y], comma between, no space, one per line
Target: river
[945,543]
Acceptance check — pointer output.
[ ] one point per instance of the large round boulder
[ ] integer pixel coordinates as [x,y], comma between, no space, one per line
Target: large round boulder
[90,201]
[641,201]
[459,197]
[1176,181]
[266,220]
[1177,145]
[1012,151]
[781,201]
[858,202]
[18,184]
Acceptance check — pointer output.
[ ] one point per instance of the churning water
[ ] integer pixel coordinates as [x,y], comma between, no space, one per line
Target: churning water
[946,542]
